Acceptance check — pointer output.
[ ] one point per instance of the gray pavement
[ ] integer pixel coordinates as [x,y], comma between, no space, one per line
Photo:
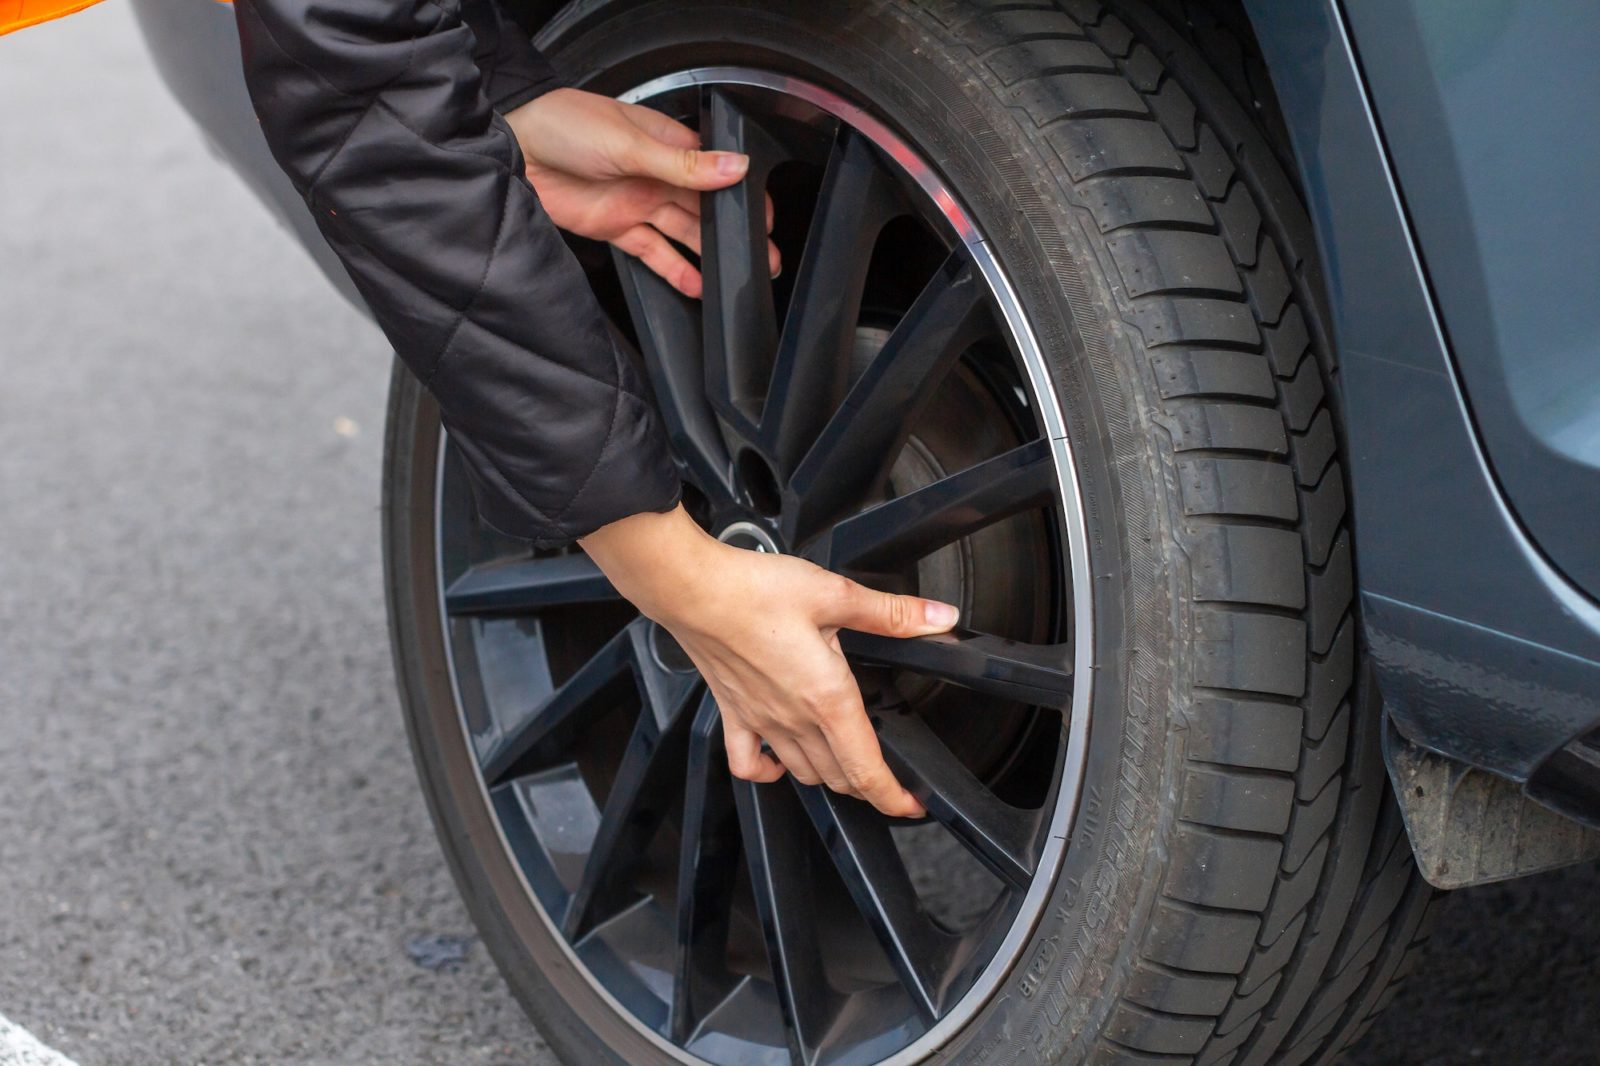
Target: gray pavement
[212,849]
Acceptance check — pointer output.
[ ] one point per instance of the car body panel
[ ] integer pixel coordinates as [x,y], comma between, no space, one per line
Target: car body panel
[1483,649]
[1488,112]
[195,45]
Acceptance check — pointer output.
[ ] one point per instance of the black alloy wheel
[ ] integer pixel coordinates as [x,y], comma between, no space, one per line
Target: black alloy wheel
[1048,345]
[873,413]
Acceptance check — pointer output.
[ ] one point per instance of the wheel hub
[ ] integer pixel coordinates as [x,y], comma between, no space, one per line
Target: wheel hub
[748,535]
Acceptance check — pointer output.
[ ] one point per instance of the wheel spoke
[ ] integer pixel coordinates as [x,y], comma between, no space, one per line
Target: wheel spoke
[809,375]
[865,855]
[897,533]
[983,662]
[527,585]
[709,849]
[741,332]
[625,662]
[856,448]
[1000,835]
[635,808]
[668,326]
[775,831]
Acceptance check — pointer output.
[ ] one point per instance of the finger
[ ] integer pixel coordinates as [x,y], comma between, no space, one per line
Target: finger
[678,224]
[816,749]
[794,760]
[662,127]
[746,760]
[655,252]
[688,168]
[855,747]
[774,259]
[688,199]
[855,606]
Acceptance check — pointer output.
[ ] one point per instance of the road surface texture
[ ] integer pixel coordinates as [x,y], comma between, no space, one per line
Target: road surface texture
[212,849]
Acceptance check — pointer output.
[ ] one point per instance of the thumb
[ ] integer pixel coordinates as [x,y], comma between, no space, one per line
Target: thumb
[889,615]
[688,168]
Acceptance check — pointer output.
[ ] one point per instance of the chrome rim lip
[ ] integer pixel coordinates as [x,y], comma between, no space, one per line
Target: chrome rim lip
[1031,355]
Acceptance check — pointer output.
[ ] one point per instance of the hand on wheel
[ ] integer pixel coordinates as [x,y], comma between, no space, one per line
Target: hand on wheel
[766,641]
[625,174]
[763,630]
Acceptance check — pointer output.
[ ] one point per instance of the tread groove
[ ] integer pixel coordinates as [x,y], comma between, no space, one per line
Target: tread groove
[1205,252]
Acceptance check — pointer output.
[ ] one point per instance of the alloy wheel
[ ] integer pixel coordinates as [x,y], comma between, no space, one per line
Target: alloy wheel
[882,410]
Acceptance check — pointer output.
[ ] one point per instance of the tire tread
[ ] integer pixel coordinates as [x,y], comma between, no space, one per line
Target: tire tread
[1280,829]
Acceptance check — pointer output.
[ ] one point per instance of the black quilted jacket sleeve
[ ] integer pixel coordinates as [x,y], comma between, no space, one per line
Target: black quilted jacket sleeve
[384,115]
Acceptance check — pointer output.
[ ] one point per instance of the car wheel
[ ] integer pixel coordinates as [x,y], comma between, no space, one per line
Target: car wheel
[1048,346]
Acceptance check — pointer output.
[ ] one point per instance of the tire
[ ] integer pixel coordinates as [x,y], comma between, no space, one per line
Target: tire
[1237,886]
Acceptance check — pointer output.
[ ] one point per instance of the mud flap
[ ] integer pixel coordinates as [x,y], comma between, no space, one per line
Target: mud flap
[1470,827]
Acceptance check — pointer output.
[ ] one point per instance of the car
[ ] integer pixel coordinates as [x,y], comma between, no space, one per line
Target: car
[1230,363]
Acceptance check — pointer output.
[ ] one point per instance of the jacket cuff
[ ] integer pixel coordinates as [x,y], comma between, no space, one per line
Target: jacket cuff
[514,71]
[633,471]
[513,84]
[638,479]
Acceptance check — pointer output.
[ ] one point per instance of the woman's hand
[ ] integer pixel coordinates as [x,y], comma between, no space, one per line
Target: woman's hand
[763,630]
[626,174]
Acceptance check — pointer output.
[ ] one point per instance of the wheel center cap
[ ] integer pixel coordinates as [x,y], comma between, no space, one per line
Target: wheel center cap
[750,536]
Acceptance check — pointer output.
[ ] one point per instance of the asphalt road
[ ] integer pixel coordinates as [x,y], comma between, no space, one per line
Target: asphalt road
[212,850]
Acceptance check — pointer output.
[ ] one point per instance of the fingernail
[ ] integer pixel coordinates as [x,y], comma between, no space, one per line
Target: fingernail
[732,164]
[939,614]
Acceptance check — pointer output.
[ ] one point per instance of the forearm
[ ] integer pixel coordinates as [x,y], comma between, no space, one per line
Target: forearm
[375,109]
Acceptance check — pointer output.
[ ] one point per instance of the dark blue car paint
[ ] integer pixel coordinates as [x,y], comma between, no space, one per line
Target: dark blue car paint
[1483,649]
[1488,111]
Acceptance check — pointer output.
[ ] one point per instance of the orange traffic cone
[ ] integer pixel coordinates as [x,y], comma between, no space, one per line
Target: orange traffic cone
[16,14]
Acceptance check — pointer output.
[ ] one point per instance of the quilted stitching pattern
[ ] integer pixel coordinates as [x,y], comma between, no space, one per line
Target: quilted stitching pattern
[378,112]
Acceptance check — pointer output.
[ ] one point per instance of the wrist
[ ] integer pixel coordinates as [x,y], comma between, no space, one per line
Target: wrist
[523,121]
[531,122]
[658,560]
